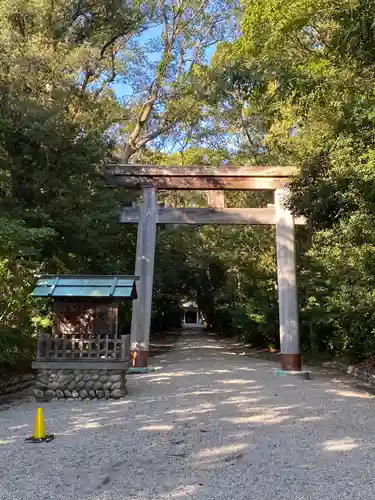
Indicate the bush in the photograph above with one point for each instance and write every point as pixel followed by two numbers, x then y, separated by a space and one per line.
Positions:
pixel 17 350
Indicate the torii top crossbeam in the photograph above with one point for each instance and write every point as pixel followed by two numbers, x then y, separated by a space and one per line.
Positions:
pixel 199 177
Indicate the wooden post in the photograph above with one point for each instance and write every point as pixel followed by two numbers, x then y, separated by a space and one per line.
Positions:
pixel 40 346
pixel 136 306
pixel 287 286
pixel 98 346
pixel 123 352
pixel 216 199
pixel 141 316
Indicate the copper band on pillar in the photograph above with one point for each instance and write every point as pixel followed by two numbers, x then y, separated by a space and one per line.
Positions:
pixel 291 362
pixel 139 359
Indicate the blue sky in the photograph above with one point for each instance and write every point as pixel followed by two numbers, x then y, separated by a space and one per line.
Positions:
pixel 121 89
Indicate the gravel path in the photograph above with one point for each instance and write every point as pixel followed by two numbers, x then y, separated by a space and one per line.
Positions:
pixel 209 425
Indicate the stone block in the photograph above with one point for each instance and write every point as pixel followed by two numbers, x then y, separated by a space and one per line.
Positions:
pixel 80 385
pixel 53 386
pixel 89 385
pixel 38 394
pixel 117 394
pixel 49 394
pixel 71 386
pixel 83 393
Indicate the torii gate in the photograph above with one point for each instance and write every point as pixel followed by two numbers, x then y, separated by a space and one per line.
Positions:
pixel 150 178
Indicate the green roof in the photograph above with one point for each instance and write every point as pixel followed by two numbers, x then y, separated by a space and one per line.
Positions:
pixel 123 287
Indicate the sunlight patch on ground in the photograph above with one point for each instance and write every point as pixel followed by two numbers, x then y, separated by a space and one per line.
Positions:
pixel 77 422
pixel 157 428
pixel 186 419
pixel 121 402
pixel 267 418
pixel 239 399
pixel 184 492
pixel 200 412
pixel 203 408
pixel 351 394
pixel 310 419
pixel 207 393
pixel 221 450
pixel 189 360
pixel 200 347
pixel 241 435
pixel 284 407
pixel 17 427
pixel 6 441
pixel 152 421
pixel 160 379
pixel 237 381
pixel 111 412
pixel 344 444
pixel 179 374
pixel 87 425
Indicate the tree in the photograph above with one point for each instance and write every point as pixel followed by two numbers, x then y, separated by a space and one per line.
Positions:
pixel 164 84
pixel 55 110
pixel 315 87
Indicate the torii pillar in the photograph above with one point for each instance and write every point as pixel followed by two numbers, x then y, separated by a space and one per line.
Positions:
pixel 144 268
pixel 287 286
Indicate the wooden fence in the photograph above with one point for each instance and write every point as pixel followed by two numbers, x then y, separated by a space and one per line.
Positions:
pixel 82 347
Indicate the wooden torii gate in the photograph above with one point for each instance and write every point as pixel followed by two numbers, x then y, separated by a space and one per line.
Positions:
pixel 150 178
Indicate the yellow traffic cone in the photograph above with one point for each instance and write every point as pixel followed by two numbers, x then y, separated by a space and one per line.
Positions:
pixel 39 435
pixel 39 429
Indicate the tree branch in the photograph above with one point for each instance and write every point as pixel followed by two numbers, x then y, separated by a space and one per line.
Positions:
pixel 110 79
pixel 181 63
pixel 109 43
pixel 247 133
pixel 199 10
pixel 133 144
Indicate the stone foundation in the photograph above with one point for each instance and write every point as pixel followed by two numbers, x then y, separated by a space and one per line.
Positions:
pixel 52 384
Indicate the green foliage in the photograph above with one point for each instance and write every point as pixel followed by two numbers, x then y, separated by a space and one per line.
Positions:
pixel 17 350
pixel 319 104
pixel 55 216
